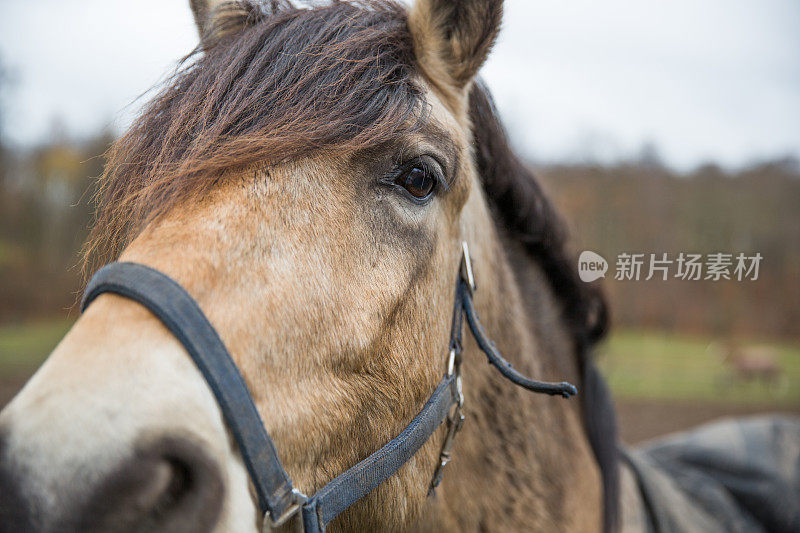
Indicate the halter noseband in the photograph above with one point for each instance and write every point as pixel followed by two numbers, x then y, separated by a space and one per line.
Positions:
pixel 277 499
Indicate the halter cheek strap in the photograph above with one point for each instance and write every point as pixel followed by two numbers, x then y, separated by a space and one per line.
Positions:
pixel 277 498
pixel 171 304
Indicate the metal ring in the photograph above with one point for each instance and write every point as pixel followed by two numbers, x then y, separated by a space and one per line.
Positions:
pixel 298 500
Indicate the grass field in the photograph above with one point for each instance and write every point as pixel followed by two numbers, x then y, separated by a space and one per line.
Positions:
pixel 23 347
pixel 646 364
pixel 638 364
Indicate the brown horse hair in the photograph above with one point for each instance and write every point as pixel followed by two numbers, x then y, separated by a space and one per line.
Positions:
pixel 298 82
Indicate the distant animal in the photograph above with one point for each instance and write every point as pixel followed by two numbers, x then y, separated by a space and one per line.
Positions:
pixel 297 201
pixel 756 363
pixel 751 362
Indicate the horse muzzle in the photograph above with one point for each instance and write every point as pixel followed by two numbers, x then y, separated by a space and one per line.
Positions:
pixel 167 484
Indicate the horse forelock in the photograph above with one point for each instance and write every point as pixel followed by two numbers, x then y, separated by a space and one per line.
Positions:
pixel 287 84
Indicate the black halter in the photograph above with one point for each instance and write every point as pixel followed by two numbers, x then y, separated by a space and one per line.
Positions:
pixel 277 499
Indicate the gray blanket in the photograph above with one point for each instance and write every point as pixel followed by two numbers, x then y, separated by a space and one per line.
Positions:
pixel 735 475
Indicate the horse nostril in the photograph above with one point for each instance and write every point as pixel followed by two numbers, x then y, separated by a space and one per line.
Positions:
pixel 169 485
pixel 15 513
pixel 183 479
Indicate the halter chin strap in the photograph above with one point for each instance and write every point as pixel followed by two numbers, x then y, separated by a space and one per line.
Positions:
pixel 277 499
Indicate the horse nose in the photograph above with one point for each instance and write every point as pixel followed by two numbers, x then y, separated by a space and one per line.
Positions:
pixel 169 485
pixel 14 512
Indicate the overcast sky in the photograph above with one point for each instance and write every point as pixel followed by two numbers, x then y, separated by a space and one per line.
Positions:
pixel 702 80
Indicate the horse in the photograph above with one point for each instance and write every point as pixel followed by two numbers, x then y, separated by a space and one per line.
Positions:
pixel 309 178
pixel 754 363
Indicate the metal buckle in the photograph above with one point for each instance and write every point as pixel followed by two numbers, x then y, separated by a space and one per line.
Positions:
pixel 454 422
pixel 451 362
pixel 466 268
pixel 298 500
pixel 455 419
pixel 454 367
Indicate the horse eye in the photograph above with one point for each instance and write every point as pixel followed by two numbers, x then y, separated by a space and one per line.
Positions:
pixel 417 180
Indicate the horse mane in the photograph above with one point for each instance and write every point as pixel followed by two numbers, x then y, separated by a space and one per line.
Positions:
pixel 521 207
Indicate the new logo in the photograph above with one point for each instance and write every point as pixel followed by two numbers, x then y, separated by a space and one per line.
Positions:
pixel 591 266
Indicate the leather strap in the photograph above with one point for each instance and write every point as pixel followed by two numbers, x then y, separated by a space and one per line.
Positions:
pixel 355 483
pixel 171 304
pixel 499 362
pixel 179 312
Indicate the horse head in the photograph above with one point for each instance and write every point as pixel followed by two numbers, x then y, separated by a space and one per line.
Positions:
pixel 308 176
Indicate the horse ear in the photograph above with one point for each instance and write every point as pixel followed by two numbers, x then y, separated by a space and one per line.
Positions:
pixel 453 37
pixel 217 19
pixel 201 10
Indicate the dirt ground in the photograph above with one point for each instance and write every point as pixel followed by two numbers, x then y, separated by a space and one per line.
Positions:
pixel 639 419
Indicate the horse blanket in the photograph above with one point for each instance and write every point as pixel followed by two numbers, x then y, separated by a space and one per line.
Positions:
pixel 737 475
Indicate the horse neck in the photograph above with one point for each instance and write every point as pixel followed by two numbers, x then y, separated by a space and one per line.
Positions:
pixel 522 460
